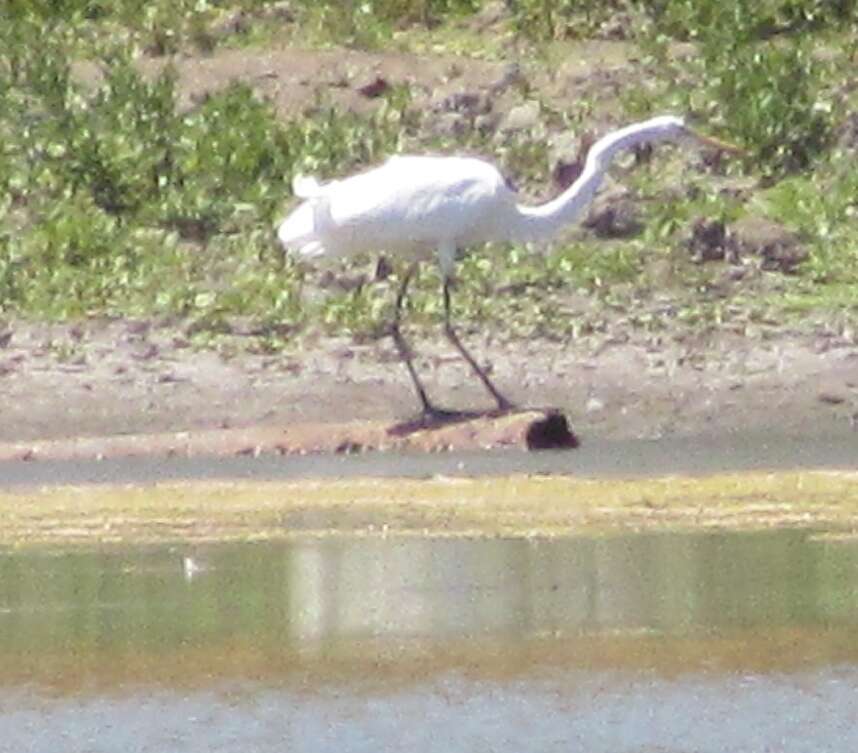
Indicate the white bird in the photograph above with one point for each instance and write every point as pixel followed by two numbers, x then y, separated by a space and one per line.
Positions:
pixel 414 206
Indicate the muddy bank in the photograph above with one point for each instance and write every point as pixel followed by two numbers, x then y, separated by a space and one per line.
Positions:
pixel 104 378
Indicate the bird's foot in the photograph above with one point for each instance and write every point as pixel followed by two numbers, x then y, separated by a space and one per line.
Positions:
pixel 505 406
pixel 432 415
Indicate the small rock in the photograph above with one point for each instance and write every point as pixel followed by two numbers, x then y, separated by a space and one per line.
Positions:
pixel 734 273
pixel 146 353
pixel 594 405
pixel 831 398
pixel 5 338
pixel 338 78
pixel 467 102
pixel 617 219
pixel 486 124
pixel 450 124
pixel 710 241
pixel 564 145
pixel 779 248
pixel 345 282
pixel 374 87
pixel 454 70
pixel 511 76
pixel 522 118
pixel 138 326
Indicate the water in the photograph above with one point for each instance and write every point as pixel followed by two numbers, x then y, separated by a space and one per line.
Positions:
pixel 661 642
pixel 595 459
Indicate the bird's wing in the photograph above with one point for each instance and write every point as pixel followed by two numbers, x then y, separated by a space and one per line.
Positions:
pixel 423 197
pixel 408 204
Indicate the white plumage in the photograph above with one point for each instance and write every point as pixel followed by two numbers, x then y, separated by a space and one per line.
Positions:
pixel 412 206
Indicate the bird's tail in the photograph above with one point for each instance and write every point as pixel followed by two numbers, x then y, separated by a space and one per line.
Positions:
pixel 307 187
pixel 299 233
pixel 298 230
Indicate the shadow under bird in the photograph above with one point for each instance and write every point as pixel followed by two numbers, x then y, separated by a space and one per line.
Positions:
pixel 417 206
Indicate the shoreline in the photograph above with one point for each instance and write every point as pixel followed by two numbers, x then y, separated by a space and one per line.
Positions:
pixel 212 511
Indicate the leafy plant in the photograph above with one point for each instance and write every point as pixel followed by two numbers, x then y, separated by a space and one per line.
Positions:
pixel 770 99
pixel 109 195
pixel 767 89
pixel 559 19
pixel 749 19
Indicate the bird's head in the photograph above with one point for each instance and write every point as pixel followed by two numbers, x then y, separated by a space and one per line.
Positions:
pixel 658 129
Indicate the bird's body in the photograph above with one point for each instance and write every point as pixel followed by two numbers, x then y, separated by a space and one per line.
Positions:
pixel 410 205
pixel 414 206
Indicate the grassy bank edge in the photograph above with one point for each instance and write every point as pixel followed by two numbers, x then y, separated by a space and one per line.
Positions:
pixel 515 506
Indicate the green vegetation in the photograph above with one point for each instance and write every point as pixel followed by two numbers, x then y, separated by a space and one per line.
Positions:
pixel 115 203
pixel 759 72
pixel 116 199
pixel 558 19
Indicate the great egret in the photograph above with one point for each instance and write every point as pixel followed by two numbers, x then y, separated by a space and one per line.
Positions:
pixel 414 206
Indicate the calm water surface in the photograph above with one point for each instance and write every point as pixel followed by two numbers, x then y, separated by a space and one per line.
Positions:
pixel 658 642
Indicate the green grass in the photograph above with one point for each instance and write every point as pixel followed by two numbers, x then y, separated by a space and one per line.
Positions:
pixel 113 202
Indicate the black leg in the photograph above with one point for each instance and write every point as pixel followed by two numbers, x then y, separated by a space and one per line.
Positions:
pixel 503 403
pixel 429 410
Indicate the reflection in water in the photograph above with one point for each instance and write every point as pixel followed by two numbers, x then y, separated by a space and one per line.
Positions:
pixel 593 633
pixel 670 583
pixel 337 597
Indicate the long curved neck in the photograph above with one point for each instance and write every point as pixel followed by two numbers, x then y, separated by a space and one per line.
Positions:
pixel 544 221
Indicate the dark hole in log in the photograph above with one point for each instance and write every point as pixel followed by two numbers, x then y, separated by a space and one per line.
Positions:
pixel 551 433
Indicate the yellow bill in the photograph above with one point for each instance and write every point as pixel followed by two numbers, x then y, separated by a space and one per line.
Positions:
pixel 716 143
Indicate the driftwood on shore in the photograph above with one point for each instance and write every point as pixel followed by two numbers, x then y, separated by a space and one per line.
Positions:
pixel 532 429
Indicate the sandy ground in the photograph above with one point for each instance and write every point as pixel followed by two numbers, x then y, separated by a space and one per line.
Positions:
pixel 120 377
